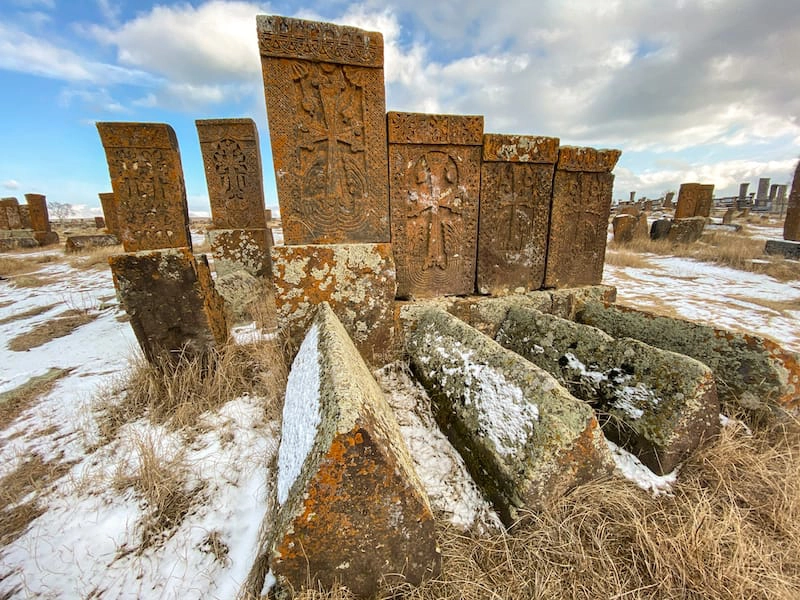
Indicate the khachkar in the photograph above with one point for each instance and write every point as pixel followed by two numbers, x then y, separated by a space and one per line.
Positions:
pixel 434 173
pixel 579 213
pixel 109 203
pixel 326 105
pixel 146 175
pixel 240 238
pixel 516 187
pixel 40 219
pixel 10 207
pixel 791 226
pixel 694 200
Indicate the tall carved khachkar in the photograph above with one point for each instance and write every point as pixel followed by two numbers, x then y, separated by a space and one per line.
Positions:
pixel 579 216
pixel 145 168
pixel 791 226
pixel 516 187
pixel 694 200
pixel 40 219
pixel 434 171
pixel 326 106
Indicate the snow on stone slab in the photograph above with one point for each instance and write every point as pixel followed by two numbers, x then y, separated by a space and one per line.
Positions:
pixel 632 469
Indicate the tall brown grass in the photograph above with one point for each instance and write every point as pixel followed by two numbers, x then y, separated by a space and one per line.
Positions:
pixel 96 258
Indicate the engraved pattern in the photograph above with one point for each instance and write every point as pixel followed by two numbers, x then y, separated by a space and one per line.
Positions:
pixel 143 174
pixel 420 128
pixel 231 167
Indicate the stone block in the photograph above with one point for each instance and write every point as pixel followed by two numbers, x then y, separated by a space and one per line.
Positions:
pixel 99 223
pixel 25 216
pixel 750 371
pixel 39 216
pixel 656 404
pixel 3 218
pixel 686 231
pixel 173 306
pixel 326 108
pixel 623 226
pixel 351 507
pixel 727 218
pixel 629 210
pixel 232 161
pixel 357 280
pixel 236 249
pixel 515 192
pixel 659 229
pixel 784 248
pixel 694 200
pixel 580 209
pixel 434 173
pixel 109 203
pixel 791 226
pixel 9 201
pixel 146 174
pixel 524 438
pixel 705 200
pixel 81 243
pixel 47 238
pixel 241 291
pixel 12 217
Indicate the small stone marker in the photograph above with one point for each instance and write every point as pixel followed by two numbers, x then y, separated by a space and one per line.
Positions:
pixel 523 437
pixel 434 172
pixel 236 249
pixel 109 203
pixel 145 168
pixel 357 280
pixel 791 226
pixel 352 508
pixel 99 223
pixel 516 187
pixel 579 216
pixel 232 160
pixel 623 226
pixel 170 297
pixel 686 231
pixel 668 199
pixel 727 218
pixel 25 216
pixel 12 215
pixel 326 109
pixel 37 208
pixel 80 243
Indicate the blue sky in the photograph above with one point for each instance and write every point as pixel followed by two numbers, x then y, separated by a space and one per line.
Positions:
pixel 691 90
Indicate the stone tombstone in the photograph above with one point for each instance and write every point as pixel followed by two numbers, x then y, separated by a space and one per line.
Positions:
pixel 763 191
pixel 37 208
pixel 146 174
pixel 13 216
pixel 648 206
pixel 781 196
pixel 24 216
pixel 688 198
pixel 232 161
pixel 109 203
pixel 668 199
pixel 326 109
pixel 705 200
pixel 791 226
pixel 632 197
pixel 99 223
pixel 516 186
pixel 3 218
pixel 582 188
pixel 9 201
pixel 743 192
pixel 623 227
pixel 434 184
pixel 727 218
pixel 773 194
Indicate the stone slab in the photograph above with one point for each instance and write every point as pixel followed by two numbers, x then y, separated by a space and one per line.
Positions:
pixel 81 243
pixel 9 201
pixel 686 231
pixel 705 201
pixel 235 249
pixel 326 108
pixel 582 159
pixel 523 437
pixel 173 306
pixel 659 229
pixel 694 200
pixel 791 226
pixel 25 216
pixel 515 193
pixel 146 174
pixel 784 248
pixel 46 238
pixel 232 161
pixel 623 227
pixel 357 280
pixel 37 207
pixel 99 223
pixel 434 172
pixel 109 203
pixel 3 218
pixel 352 509
pixel 12 217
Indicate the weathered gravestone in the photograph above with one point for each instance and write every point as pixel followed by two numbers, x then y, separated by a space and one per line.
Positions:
pixel 741 202
pixel 791 226
pixel 581 205
pixel 25 216
pixel 3 217
pixel 727 218
pixel 109 203
pixel 37 209
pixel 623 226
pixel 668 199
pixel 10 206
pixel 99 223
pixel 705 200
pixel 145 168
pixel 80 243
pixel 326 106
pixel 686 231
pixel 688 199
pixel 236 249
pixel 434 170
pixel 516 187
pixel 763 191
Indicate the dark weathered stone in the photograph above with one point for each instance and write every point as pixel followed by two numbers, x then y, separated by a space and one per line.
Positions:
pixel 791 226
pixel 245 296
pixel 232 160
pixel 763 191
pixel 326 106
pixel 659 230
pixel 523 437
pixel 99 223
pixel 145 168
pixel 80 243
pixel 351 507
pixel 357 280
pixel 686 231
pixel 236 249
pixel 656 404
pixel 783 248
pixel 3 218
pixel 173 306
pixel 109 203
pixel 37 208
pixel 434 171
pixel 516 187
pixel 750 371
pixel 581 205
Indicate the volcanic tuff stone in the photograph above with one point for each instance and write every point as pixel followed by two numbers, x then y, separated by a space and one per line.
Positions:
pixel 46 238
pixel 784 248
pixel 668 199
pixel 145 168
pixel 12 216
pixel 241 292
pixel 99 223
pixel 79 243
pixel 581 205
pixel 3 218
pixel 326 106
pixel 656 404
pixel 358 280
pixel 727 218
pixel 109 203
pixel 352 508
pixel 791 226
pixel 686 231
pixel 37 207
pixel 749 370
pixel 694 200
pixel 232 161
pixel 25 216
pixel 236 249
pixel 624 226
pixel 170 297
pixel 515 191
pixel 523 437
pixel 434 185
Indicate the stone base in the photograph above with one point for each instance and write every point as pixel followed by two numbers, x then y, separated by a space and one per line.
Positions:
pixel 785 248
pixel 81 243
pixel 686 231
pixel 237 249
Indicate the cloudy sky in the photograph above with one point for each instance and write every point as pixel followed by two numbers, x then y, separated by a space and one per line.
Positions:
pixel 689 90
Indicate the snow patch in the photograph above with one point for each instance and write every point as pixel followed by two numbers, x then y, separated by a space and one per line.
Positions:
pixel 632 469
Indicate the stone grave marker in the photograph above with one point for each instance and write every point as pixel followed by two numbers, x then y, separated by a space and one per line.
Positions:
pixel 326 109
pixel 109 203
pixel 705 200
pixel 37 207
pixel 763 191
pixel 434 170
pixel 668 199
pixel 99 223
pixel 516 187
pixel 688 198
pixel 791 226
pixel 25 216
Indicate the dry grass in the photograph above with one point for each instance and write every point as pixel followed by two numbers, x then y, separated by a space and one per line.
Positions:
pixel 619 256
pixel 15 402
pixel 33 312
pixel 57 327
pixel 96 258
pixel 20 263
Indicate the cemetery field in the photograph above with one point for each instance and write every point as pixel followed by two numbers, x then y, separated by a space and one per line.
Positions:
pixel 119 481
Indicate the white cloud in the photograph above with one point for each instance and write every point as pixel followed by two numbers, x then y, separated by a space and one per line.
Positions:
pixel 11 184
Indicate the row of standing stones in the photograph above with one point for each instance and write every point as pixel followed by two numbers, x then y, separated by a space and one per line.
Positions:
pixel 391 224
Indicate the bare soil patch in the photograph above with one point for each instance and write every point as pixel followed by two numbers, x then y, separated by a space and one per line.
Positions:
pixel 14 402
pixel 57 327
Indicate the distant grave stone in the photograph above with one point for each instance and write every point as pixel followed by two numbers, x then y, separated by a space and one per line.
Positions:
pixel 109 203
pixel 791 226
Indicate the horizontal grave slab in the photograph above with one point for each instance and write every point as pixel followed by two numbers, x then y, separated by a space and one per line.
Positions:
pixel 79 243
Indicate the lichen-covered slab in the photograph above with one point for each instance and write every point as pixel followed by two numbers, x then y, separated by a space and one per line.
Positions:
pixel 146 174
pixel 750 371
pixel 79 243
pixel 170 297
pixel 109 203
pixel 236 249
pixel 791 226
pixel 352 508
pixel 656 404
pixel 523 437
pixel 326 109
pixel 686 231
pixel 357 280
pixel 579 212
pixel 516 189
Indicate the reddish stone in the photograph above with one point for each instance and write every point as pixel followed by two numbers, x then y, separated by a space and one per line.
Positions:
pixel 434 168
pixel 326 107
pixel 694 200
pixel 12 216
pixel 236 249
pixel 109 203
pixel 3 218
pixel 37 208
pixel 99 223
pixel 25 216
pixel 145 168
pixel 624 226
pixel 791 226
